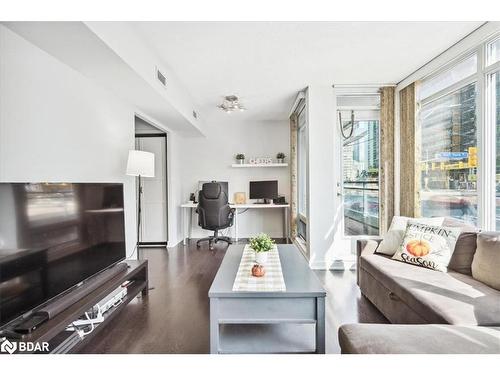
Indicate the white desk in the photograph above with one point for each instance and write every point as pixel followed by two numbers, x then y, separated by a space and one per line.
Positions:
pixel 189 207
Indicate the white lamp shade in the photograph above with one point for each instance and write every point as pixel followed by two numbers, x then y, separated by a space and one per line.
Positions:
pixel 141 163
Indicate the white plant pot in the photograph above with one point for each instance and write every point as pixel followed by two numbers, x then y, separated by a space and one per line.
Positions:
pixel 261 257
pixel 241 161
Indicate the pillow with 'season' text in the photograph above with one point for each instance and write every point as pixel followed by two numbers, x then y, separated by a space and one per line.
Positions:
pixel 429 246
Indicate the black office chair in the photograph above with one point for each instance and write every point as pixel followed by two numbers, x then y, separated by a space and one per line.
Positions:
pixel 214 213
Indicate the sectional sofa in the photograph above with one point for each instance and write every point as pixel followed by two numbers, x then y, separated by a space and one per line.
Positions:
pixel 431 311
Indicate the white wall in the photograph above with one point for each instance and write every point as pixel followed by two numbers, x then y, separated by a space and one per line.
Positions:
pixel 124 40
pixel 175 196
pixel 56 125
pixel 210 158
pixel 324 210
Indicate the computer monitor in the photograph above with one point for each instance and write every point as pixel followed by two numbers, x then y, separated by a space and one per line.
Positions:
pixel 264 189
pixel 224 184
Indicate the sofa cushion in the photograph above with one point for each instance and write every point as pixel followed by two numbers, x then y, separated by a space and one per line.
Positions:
pixel 486 262
pixel 438 297
pixel 418 339
pixel 461 259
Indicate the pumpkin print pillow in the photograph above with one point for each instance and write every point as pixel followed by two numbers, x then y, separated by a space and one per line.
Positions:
pixel 427 246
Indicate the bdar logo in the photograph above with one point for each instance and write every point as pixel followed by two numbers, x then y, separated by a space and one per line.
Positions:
pixel 8 347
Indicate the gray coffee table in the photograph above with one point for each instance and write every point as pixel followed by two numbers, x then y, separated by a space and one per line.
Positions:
pixel 268 322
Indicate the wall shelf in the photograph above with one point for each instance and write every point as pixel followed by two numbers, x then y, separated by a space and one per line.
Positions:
pixel 270 165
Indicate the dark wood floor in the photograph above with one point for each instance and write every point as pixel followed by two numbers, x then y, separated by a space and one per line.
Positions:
pixel 174 317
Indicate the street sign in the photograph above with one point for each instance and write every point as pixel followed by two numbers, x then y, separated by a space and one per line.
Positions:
pixel 452 155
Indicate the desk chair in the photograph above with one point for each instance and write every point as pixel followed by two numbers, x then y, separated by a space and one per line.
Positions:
pixel 214 213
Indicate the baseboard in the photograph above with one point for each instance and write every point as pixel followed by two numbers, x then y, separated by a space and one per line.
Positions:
pixel 335 265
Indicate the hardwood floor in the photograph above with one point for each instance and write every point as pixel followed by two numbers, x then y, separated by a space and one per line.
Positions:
pixel 174 317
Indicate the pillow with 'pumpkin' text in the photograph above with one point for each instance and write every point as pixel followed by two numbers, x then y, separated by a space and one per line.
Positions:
pixel 427 246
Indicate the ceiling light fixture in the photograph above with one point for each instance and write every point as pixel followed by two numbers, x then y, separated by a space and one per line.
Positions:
pixel 231 103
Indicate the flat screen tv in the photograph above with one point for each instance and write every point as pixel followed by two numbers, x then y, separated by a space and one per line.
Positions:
pixel 53 236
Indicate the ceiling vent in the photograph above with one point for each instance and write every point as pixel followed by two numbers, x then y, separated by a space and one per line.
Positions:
pixel 161 77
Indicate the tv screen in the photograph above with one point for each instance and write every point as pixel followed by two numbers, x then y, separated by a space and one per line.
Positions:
pixel 54 236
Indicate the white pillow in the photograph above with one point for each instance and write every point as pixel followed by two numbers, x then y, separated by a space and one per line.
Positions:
pixel 396 232
pixel 428 246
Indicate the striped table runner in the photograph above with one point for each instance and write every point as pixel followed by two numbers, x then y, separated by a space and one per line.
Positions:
pixel 272 281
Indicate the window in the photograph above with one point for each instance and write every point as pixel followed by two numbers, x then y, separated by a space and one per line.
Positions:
pixel 496 121
pixel 459 139
pixel 448 156
pixel 493 52
pixel 302 173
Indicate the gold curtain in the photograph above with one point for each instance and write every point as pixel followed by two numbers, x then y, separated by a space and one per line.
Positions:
pixel 293 174
pixel 410 173
pixel 386 157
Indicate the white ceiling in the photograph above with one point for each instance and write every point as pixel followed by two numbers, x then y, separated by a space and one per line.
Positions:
pixel 267 63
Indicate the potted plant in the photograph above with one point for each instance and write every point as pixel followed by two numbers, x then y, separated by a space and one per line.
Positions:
pixel 261 244
pixel 240 158
pixel 281 157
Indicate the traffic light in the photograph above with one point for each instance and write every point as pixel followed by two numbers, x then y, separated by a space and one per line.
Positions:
pixel 472 156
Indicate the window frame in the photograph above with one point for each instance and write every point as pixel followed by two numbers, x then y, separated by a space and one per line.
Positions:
pixel 302 216
pixel 485 128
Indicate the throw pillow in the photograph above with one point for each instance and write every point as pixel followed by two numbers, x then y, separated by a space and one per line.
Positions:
pixel 461 259
pixel 486 262
pixel 394 236
pixel 427 246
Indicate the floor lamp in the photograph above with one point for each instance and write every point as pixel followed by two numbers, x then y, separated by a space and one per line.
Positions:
pixel 140 164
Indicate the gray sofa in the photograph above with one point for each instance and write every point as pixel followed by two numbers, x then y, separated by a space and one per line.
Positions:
pixel 411 295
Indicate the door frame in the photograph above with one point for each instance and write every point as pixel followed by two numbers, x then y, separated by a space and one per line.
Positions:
pixel 158 135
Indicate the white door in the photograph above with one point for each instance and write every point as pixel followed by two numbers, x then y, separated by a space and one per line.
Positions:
pixel 154 198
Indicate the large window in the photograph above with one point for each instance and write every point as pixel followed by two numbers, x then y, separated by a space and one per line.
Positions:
pixel 448 155
pixel 458 139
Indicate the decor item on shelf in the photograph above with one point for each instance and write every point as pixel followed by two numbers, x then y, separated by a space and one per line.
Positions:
pixel 261 244
pixel 231 103
pixel 258 270
pixel 240 198
pixel 281 157
pixel 192 197
pixel 240 158
pixel 140 164
pixel 264 160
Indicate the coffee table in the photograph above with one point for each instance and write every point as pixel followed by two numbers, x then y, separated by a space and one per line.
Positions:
pixel 268 322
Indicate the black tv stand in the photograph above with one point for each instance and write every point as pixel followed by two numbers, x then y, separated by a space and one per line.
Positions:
pixel 54 331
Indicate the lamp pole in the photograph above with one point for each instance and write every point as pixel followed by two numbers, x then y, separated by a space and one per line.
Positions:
pixel 139 192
